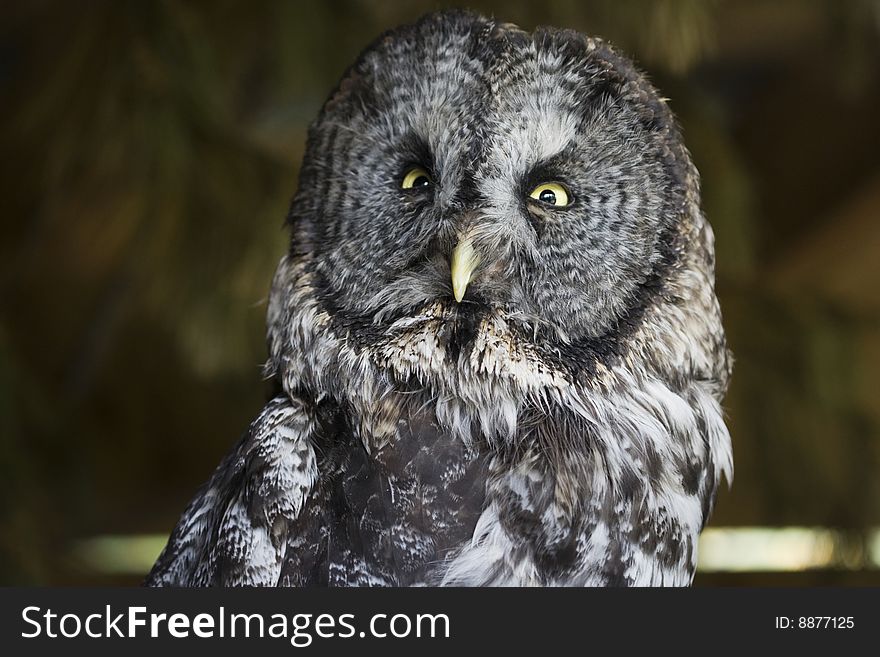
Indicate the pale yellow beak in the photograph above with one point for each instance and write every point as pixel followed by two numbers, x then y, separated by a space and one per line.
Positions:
pixel 464 262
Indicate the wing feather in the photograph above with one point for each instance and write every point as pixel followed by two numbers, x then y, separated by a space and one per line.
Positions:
pixel 235 530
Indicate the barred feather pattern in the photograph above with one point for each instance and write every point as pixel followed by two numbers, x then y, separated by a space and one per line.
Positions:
pixel 234 531
pixel 525 437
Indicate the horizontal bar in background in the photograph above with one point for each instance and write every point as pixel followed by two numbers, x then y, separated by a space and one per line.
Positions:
pixel 721 549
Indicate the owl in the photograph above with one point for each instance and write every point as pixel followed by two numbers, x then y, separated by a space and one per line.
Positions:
pixel 497 349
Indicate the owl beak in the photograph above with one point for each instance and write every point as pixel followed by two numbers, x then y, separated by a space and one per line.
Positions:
pixel 464 262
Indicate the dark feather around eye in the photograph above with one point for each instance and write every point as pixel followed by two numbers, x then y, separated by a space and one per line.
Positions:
pixel 415 152
pixel 553 170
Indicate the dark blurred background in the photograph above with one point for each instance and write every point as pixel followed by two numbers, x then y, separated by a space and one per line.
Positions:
pixel 149 153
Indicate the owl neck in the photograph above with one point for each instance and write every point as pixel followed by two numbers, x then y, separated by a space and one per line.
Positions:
pixel 612 489
pixel 620 467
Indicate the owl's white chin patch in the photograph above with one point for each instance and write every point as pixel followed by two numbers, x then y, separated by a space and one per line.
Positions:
pixel 421 345
pixel 432 311
pixel 480 385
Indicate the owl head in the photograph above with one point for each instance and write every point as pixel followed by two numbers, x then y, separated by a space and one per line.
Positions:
pixel 466 171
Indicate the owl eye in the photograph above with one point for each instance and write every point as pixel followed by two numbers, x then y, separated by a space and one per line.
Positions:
pixel 415 178
pixel 551 194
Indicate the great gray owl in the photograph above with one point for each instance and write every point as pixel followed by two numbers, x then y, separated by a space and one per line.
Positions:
pixel 498 350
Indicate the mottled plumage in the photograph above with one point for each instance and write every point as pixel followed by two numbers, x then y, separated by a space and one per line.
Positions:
pixel 561 424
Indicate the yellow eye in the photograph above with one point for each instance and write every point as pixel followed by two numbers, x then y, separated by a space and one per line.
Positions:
pixel 551 194
pixel 416 177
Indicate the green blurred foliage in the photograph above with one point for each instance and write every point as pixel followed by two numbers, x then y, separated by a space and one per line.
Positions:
pixel 150 150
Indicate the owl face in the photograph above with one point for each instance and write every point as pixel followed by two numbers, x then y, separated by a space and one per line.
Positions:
pixel 465 163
